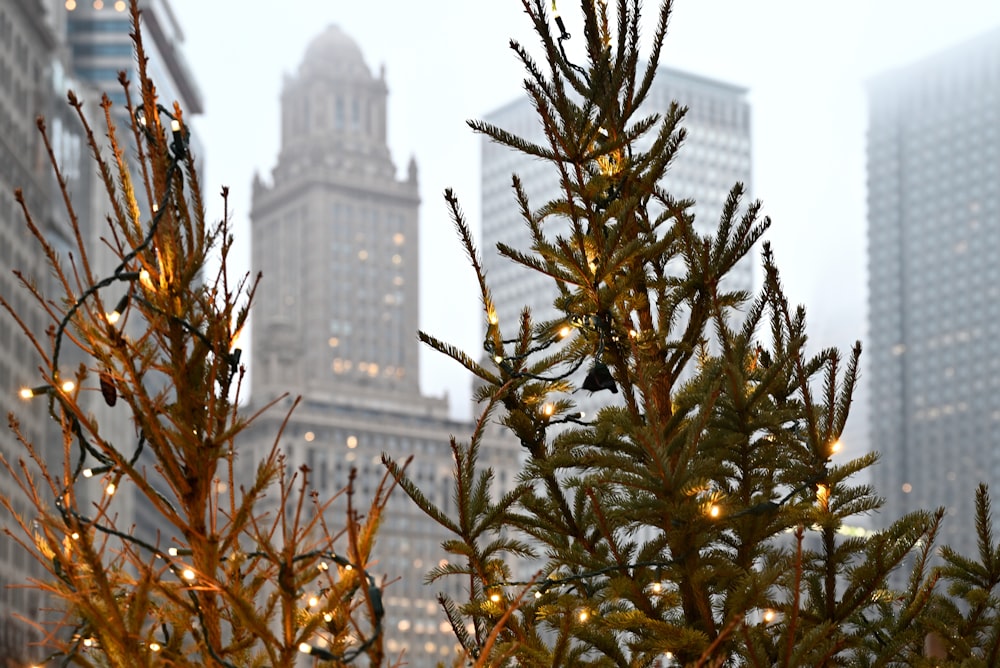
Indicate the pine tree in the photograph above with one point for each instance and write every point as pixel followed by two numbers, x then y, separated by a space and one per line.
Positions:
pixel 228 577
pixel 697 518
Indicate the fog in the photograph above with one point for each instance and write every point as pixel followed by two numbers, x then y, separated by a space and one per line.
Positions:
pixel 446 61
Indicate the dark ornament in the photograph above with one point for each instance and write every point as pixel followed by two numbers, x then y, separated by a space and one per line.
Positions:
pixel 599 378
pixel 108 389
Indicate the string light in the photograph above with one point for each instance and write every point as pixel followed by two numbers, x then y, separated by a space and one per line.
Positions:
pixel 32 392
pixel 769 616
pixel 822 493
pixel 836 446
pixel 110 489
pixel 154 647
pixel 188 574
pixel 714 511
pixel 116 314
pixel 313 601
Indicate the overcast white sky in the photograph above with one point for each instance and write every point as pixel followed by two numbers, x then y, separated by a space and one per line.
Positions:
pixel 804 62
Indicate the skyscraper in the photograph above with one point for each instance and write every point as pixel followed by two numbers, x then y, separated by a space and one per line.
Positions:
pixel 934 281
pixel 99 36
pixel 26 49
pixel 334 235
pixel 46 48
pixel 715 155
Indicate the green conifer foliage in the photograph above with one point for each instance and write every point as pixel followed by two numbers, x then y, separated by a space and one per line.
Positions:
pixel 695 520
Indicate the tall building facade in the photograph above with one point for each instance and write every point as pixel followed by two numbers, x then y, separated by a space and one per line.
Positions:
pixel 27 46
pixel 715 155
pixel 48 47
pixel 335 236
pixel 98 36
pixel 933 356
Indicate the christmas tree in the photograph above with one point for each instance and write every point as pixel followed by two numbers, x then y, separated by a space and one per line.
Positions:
pixel 241 566
pixel 700 517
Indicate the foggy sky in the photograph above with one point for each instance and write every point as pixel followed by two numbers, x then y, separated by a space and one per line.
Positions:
pixel 446 61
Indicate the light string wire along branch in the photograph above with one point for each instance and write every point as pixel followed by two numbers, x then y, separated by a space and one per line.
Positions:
pixel 240 580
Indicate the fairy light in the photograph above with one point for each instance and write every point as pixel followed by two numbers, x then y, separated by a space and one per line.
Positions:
pixel 538 593
pixel 89 642
pixel 313 601
pixel 836 447
pixel 583 616
pixel 323 567
pixel 75 535
pixel 657 587
pixel 769 616
pixel 714 511
pixel 172 551
pixel 495 597
pixel 822 493
pixel 564 331
pixel 305 648
pixel 116 314
pixel 187 574
pixel 328 617
pixel 548 410
pixel 88 473
pixel 110 489
pixel 154 647
pixel 145 279
pixel 68 386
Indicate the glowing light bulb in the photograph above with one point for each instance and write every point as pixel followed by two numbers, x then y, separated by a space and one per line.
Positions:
pixel 75 536
pixel 110 489
pixel 657 587
pixel 492 317
pixel 327 616
pixel 172 551
pixel 154 647
pixel 187 574
pixel 145 279
pixel 632 333
pixel 68 386
pixel 175 125
pixel 769 616
pixel 538 593
pixel 112 317
pixel 323 566
pixel 348 568
pixel 313 601
pixel 714 511
pixel 305 648
pixel 26 393
pixel 495 597
pixel 564 331
pixel 836 447
pixel 584 615
pixel 88 473
pixel 548 410
pixel 822 493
